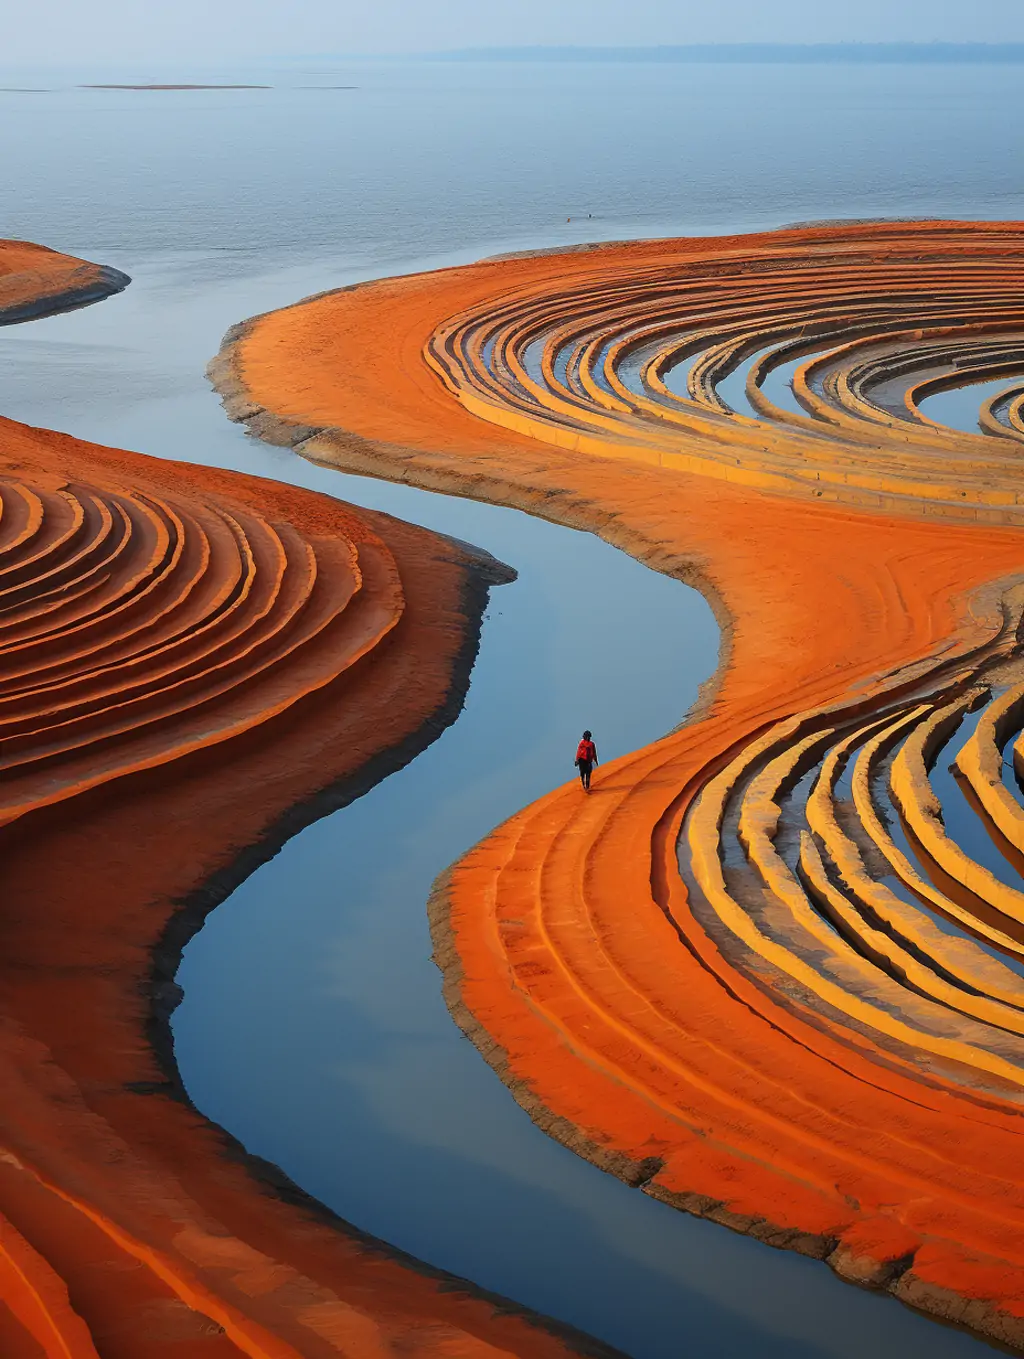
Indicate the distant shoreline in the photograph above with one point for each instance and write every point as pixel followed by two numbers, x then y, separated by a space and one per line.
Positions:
pixel 866 53
pixel 174 87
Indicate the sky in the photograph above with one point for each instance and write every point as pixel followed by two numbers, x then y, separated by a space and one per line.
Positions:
pixel 203 31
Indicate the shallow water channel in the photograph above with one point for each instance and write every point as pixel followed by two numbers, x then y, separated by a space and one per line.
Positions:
pixel 313 1026
pixel 959 407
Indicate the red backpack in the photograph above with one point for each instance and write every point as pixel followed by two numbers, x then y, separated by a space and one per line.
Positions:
pixel 586 750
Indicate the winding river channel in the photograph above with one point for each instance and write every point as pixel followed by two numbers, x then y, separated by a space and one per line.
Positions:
pixel 312 1026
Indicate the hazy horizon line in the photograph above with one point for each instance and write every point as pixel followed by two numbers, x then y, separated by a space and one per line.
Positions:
pixel 853 49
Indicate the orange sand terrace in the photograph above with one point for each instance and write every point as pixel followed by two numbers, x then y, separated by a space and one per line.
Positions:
pixel 768 1031
pixel 194 665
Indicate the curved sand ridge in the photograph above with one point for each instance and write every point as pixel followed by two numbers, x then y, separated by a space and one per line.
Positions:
pixel 809 1027
pixel 137 628
pixel 869 328
pixel 193 665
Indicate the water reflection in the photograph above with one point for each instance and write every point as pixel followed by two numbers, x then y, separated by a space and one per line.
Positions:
pixel 959 407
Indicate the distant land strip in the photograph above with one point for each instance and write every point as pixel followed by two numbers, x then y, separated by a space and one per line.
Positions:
pixel 175 87
pixel 861 53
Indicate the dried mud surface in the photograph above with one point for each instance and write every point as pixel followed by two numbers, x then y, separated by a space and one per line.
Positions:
pixel 194 665
pixel 753 973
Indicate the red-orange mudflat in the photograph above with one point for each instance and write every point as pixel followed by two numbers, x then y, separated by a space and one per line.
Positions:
pixel 193 664
pixel 809 1024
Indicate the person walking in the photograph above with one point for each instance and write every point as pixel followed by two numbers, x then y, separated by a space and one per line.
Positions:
pixel 586 758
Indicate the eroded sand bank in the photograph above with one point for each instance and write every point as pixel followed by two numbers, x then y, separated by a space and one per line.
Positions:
pixel 812 1033
pixel 195 664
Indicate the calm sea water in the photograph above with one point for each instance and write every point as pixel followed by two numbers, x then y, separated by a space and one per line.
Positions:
pixel 424 159
pixel 313 1027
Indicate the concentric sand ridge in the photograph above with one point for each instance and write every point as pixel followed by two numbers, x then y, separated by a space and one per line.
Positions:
pixel 631 361
pixel 756 972
pixel 136 628
pixel 193 665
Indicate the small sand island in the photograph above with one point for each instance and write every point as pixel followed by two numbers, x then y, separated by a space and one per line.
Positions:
pixel 195 664
pixel 35 281
pixel 174 87
pixel 755 974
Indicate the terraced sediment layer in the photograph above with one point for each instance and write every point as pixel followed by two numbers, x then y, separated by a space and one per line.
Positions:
pixel 193 665
pixel 755 973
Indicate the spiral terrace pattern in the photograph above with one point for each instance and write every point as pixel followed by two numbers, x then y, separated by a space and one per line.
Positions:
pixel 632 362
pixel 193 665
pixel 136 628
pixel 772 970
